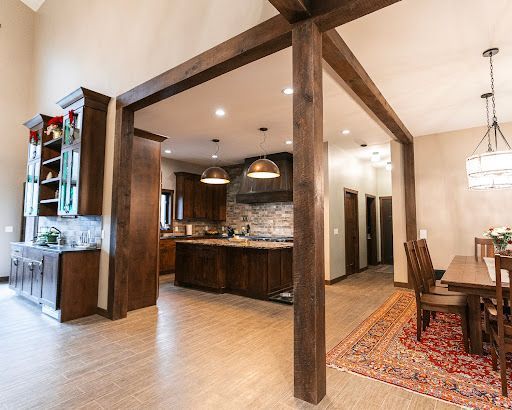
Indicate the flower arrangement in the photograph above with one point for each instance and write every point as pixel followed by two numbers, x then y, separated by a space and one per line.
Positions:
pixel 55 126
pixel 501 237
pixel 34 138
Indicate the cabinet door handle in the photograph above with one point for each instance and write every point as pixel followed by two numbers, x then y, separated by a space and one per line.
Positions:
pixel 31 266
pixel 15 261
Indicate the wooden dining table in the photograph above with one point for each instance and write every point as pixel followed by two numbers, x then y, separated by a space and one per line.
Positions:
pixel 469 275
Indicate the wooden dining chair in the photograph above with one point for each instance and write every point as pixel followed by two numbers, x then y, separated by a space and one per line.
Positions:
pixel 426 302
pixel 498 324
pixel 486 246
pixel 427 270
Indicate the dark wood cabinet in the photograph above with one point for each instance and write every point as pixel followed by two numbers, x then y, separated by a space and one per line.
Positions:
pixel 82 153
pixel 65 173
pixel 65 283
pixel 167 256
pixel 50 280
pixel 251 272
pixel 201 266
pixel 196 200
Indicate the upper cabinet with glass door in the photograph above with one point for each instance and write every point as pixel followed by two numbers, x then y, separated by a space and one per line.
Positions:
pixel 83 153
pixel 35 127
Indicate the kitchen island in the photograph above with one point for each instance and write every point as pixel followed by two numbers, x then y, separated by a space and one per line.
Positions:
pixel 254 269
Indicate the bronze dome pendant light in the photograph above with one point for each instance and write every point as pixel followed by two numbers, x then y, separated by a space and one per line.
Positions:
pixel 263 168
pixel 215 175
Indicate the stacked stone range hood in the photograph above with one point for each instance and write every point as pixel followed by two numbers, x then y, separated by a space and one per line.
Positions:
pixel 258 191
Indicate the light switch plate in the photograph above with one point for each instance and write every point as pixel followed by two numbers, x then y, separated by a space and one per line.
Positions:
pixel 423 234
pixel 336 231
pixel 9 229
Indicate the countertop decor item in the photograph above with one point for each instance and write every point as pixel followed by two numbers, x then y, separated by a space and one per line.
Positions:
pixel 263 168
pixel 55 126
pixel 491 169
pixel 215 174
pixel 501 237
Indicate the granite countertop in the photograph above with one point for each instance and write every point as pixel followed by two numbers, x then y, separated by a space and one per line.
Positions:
pixel 55 248
pixel 240 244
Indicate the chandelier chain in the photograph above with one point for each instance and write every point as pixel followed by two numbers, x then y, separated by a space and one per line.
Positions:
pixel 489 146
pixel 492 90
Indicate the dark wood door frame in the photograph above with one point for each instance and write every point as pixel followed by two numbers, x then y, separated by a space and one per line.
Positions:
pixel 262 40
pixel 382 225
pixel 371 254
pixel 356 193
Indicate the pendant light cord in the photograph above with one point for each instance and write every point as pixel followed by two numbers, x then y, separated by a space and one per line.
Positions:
pixel 489 146
pixel 262 144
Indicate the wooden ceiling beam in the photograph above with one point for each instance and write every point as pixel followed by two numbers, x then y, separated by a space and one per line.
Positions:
pixel 328 14
pixel 293 10
pixel 260 41
pixel 343 62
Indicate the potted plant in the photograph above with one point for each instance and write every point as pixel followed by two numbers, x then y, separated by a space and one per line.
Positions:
pixel 501 237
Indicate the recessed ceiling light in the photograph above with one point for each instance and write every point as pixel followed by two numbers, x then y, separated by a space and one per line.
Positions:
pixel 288 142
pixel 345 132
pixel 219 112
pixel 287 91
pixel 375 156
pixel 215 156
pixel 168 151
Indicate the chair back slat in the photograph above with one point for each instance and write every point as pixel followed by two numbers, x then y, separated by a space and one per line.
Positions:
pixel 486 246
pixel 501 262
pixel 414 268
pixel 427 269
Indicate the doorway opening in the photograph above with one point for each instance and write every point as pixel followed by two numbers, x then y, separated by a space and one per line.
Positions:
pixel 371 230
pixel 351 232
pixel 386 229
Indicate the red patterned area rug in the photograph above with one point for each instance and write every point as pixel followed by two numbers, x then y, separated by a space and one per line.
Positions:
pixel 384 348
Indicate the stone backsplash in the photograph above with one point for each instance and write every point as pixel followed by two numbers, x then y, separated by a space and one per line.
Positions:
pixel 72 228
pixel 272 219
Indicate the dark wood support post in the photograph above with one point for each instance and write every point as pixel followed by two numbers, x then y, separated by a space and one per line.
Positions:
pixel 308 201
pixel 409 192
pixel 120 215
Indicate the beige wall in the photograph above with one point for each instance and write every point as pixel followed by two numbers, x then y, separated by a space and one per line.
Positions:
pixel 451 213
pixel 345 170
pixel 111 46
pixel 16 40
pixel 398 209
pixel 170 166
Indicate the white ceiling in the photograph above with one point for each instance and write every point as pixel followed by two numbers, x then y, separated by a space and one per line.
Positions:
pixel 34 4
pixel 424 55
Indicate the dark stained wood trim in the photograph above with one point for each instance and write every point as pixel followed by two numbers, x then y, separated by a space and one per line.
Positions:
pixel 102 312
pixel 409 192
pixel 308 195
pixel 149 135
pixel 120 215
pixel 4 279
pixel 259 41
pixel 343 62
pixel 293 10
pixel 403 285
pixel 333 13
pixel 362 269
pixel 356 193
pixel 335 280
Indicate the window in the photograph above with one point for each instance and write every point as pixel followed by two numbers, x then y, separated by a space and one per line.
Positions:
pixel 166 208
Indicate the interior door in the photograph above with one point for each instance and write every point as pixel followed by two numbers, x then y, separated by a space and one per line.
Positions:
pixel 386 230
pixel 371 230
pixel 351 232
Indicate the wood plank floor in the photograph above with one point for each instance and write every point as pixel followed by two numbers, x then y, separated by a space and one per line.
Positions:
pixel 195 350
